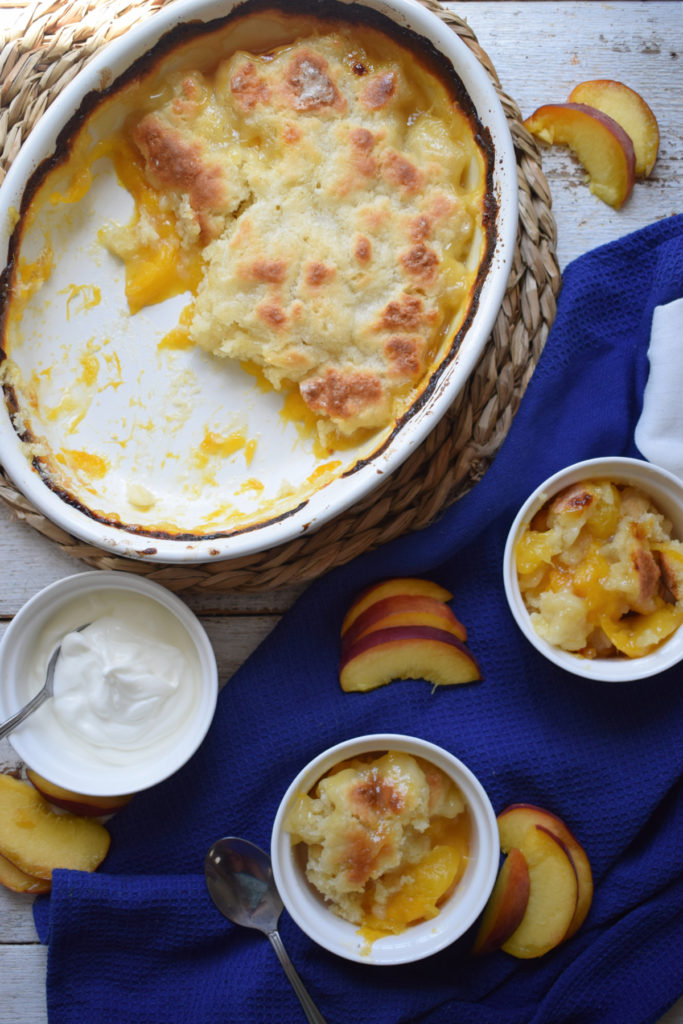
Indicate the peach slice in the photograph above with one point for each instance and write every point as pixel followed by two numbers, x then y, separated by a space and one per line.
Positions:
pixel 37 840
pixel 407 652
pixel 404 610
pixel 602 146
pixel 18 881
pixel 636 635
pixel 506 905
pixel 553 894
pixel 513 824
pixel 419 899
pixel 628 108
pixel 389 588
pixel 77 803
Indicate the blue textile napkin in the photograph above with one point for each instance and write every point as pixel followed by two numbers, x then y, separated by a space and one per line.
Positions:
pixel 139 942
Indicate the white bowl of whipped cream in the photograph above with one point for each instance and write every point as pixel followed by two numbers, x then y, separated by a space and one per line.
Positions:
pixel 134 691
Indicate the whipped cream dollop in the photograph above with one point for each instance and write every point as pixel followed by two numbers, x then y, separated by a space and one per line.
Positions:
pixel 126 683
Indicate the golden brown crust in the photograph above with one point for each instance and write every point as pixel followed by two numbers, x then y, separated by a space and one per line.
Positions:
pixel 404 354
pixel 420 228
pixel 249 87
pixel 647 571
pixel 406 313
pixel 380 90
pixel 316 273
pixel 271 271
pixel 272 314
pixel 363 161
pixel 362 249
pixel 420 261
pixel 671 564
pixel 341 394
pixel 574 498
pixel 172 162
pixel 363 853
pixel 375 796
pixel 402 172
pixel 308 85
pixel 338 239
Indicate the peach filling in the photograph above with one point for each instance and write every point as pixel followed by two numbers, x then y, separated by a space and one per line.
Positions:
pixel 385 840
pixel 600 572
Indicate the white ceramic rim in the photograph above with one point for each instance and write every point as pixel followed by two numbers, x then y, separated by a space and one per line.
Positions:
pixel 421 940
pixel 106 780
pixel 666 491
pixel 343 492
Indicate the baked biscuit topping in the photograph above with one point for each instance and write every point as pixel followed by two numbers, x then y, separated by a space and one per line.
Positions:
pixel 338 194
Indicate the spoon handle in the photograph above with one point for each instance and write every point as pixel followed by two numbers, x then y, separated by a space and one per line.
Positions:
pixel 11 723
pixel 313 1015
pixel 42 695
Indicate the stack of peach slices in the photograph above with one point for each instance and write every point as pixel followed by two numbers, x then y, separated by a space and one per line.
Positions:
pixel 44 827
pixel 403 628
pixel 544 888
pixel 612 131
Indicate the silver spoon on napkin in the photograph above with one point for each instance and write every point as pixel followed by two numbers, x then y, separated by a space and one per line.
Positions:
pixel 44 694
pixel 240 881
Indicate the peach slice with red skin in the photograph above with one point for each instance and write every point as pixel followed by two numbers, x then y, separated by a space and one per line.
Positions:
pixel 553 894
pixel 628 108
pixel 600 143
pixel 514 823
pixel 404 610
pixel 77 803
pixel 406 652
pixel 506 905
pixel 389 588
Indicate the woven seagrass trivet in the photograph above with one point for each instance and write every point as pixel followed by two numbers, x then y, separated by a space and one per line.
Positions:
pixel 48 45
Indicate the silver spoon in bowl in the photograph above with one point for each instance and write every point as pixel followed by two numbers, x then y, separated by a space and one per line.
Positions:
pixel 239 877
pixel 44 694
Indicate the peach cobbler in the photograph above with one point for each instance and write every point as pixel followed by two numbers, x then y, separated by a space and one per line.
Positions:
pixel 600 572
pixel 386 839
pixel 249 264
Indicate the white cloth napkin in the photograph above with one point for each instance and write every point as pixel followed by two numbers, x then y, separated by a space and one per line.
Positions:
pixel 659 431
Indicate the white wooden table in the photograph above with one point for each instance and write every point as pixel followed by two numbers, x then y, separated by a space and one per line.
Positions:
pixel 540 51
